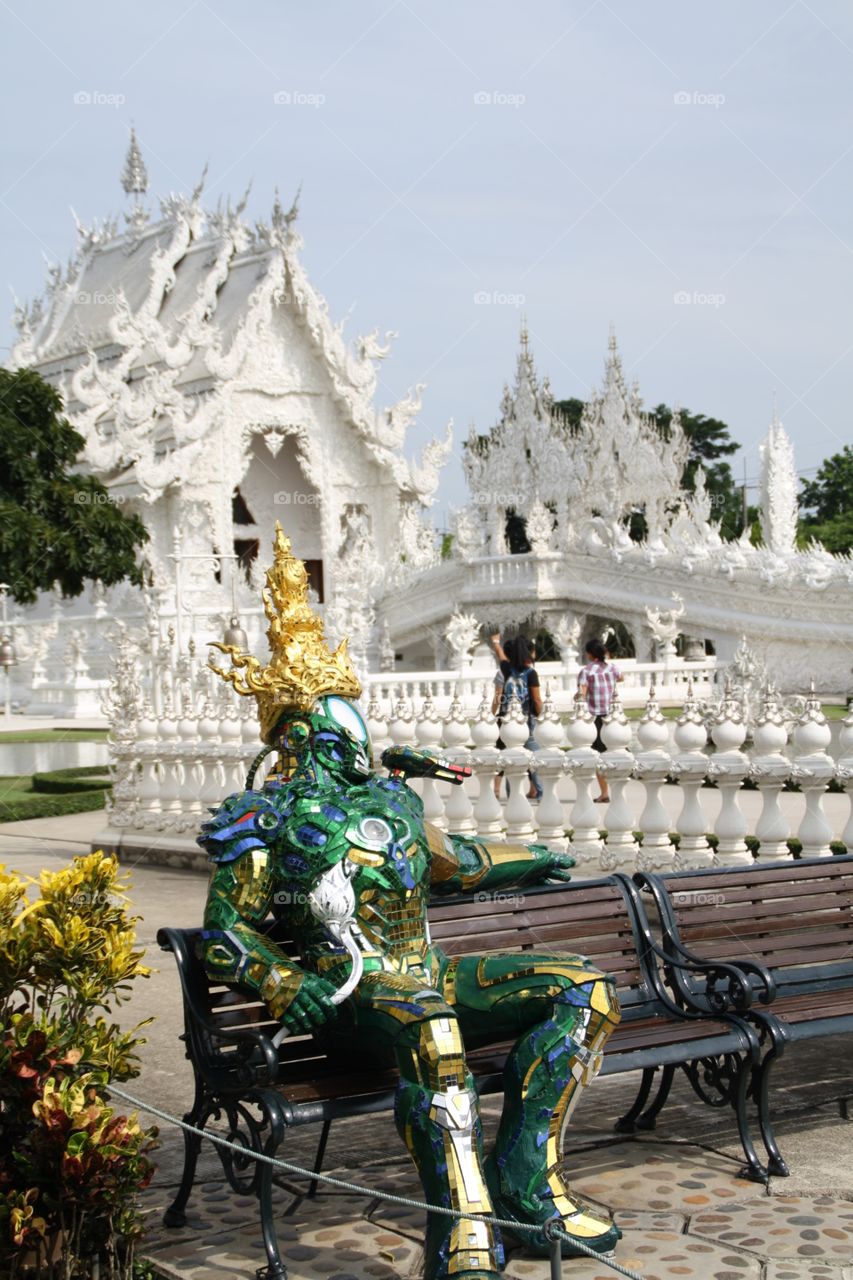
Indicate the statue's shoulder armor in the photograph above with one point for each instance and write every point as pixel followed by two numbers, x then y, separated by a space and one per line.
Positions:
pixel 399 797
pixel 246 820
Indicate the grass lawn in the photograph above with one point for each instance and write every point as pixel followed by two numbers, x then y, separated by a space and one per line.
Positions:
pixel 832 711
pixel 54 735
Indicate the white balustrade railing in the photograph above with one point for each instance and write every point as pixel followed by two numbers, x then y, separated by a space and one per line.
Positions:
pixel 441 687
pixel 172 764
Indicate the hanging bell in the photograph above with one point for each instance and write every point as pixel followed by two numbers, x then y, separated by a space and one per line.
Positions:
pixel 235 635
pixel 8 657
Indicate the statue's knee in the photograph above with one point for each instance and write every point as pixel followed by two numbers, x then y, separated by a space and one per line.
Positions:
pixel 440 1053
pixel 604 1000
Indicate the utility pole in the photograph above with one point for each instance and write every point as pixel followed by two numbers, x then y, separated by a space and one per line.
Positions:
pixel 745 501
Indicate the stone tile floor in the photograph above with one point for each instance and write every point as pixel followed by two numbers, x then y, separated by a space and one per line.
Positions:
pixel 684 1213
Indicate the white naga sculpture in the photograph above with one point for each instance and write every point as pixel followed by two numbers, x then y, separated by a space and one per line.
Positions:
pixel 462 633
pixel 664 625
pixel 778 490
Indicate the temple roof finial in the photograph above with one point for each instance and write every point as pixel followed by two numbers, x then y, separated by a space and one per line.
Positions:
pixel 134 177
pixel 282 221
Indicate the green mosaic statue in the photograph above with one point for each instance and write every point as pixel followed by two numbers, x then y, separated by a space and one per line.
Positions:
pixel 345 856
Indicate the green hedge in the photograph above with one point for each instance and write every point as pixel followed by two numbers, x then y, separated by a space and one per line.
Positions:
pixel 83 778
pixel 34 804
pixel 51 795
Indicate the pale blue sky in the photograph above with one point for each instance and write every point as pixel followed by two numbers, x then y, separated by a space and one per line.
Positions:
pixel 626 153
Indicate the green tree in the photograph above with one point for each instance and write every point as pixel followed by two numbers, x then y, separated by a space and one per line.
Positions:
pixel 571 410
pixel 827 503
pixel 710 443
pixel 57 526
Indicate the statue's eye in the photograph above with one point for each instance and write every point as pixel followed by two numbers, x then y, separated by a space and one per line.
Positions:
pixel 332 745
pixel 268 821
pixel 347 716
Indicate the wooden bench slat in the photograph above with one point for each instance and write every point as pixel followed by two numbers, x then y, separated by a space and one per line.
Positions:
pixel 747 877
pixel 694 916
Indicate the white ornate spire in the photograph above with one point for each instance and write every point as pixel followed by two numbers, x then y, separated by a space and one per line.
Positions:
pixel 779 509
pixel 281 221
pixel 134 180
pixel 134 176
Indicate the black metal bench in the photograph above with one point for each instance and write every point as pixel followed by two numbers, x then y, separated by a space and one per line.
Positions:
pixel 262 1090
pixel 789 925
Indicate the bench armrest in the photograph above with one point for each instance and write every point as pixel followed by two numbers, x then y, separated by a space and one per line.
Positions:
pixel 259 1056
pixel 727 989
pixel 765 987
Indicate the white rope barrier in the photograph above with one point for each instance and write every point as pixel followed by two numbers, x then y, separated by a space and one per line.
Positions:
pixel 554 1233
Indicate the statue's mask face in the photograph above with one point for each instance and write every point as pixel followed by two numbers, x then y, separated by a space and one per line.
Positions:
pixel 335 736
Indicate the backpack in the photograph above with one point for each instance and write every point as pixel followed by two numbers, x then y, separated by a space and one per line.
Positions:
pixel 517 684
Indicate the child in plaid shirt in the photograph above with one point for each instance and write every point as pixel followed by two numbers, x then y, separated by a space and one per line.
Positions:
pixel 597 681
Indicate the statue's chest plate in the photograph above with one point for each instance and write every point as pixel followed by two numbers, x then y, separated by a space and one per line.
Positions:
pixel 385 843
pixel 378 828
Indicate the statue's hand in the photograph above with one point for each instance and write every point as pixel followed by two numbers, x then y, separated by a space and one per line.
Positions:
pixel 560 868
pixel 311 1006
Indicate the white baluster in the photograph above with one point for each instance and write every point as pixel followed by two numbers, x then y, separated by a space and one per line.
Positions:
pixel 586 845
pixel 550 765
pixel 401 727
pixel 457 807
pixel 428 735
pixel 813 770
pixel 652 767
pixel 690 766
pixel 617 762
pixel 231 732
pixel 844 774
pixel 189 748
pixel 770 769
pixel 728 767
pixel 170 780
pixel 208 732
pixel 485 759
pixel 515 760
pixel 377 726
pixel 150 798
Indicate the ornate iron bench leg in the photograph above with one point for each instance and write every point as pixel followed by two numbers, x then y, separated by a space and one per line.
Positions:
pixel 275 1270
pixel 274 1117
pixel 753 1170
pixel 772 1030
pixel 318 1159
pixel 175 1215
pixel 650 1115
pixel 627 1123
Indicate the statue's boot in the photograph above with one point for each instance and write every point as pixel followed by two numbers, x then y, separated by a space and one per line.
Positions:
pixel 437 1116
pixel 544 1076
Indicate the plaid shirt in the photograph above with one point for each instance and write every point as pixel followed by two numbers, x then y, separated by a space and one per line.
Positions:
pixel 600 680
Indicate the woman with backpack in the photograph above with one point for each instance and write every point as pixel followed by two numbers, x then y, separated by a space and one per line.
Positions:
pixel 517 677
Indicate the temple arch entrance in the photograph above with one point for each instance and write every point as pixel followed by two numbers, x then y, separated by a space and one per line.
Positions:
pixel 275 487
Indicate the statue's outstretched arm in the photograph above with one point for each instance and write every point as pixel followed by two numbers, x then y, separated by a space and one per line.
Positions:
pixel 460 864
pixel 235 950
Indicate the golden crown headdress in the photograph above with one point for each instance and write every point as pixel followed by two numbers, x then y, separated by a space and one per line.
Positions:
pixel 301 668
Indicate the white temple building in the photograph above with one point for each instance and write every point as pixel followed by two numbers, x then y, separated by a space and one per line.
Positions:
pixel 215 395
pixel 574 490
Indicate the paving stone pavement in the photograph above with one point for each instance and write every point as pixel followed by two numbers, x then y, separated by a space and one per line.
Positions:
pixel 674 1192
pixel 684 1213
